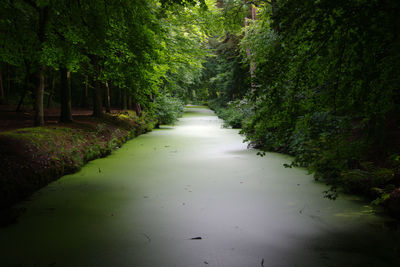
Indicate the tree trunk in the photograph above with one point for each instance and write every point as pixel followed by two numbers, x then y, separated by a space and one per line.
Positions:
pixel 275 24
pixel 130 102
pixel 66 111
pixel 97 102
pixel 1 87
pixel 138 109
pixel 43 22
pixel 26 86
pixel 8 80
pixel 51 93
pixel 85 94
pixel 248 51
pixel 120 97
pixel 39 112
pixel 124 99
pixel 107 97
pixel 21 100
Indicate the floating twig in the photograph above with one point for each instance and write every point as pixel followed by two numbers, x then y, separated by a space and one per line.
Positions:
pixel 148 238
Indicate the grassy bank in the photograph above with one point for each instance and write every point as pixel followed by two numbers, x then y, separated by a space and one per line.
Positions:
pixel 33 157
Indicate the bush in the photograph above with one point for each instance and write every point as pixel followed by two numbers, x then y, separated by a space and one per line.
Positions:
pixel 168 109
pixel 235 114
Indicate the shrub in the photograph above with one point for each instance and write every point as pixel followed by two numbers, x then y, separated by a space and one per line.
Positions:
pixel 168 109
pixel 235 114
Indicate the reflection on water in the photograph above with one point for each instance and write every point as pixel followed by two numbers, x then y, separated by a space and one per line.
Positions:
pixel 142 206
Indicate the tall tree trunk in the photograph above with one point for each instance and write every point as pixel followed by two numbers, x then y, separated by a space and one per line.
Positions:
pixel 138 109
pixel 124 99
pixel 97 103
pixel 85 93
pixel 21 100
pixel 129 102
pixel 43 22
pixel 275 24
pixel 66 111
pixel 8 80
pixel 39 112
pixel 26 87
pixel 1 87
pixel 120 97
pixel 248 51
pixel 97 92
pixel 107 97
pixel 51 93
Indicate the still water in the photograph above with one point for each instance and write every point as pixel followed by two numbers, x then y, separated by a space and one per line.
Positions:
pixel 143 205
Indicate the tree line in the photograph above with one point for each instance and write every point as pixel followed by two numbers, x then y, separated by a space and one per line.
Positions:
pixel 98 53
pixel 318 80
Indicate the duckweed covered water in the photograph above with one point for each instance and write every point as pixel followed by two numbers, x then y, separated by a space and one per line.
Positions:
pixel 142 206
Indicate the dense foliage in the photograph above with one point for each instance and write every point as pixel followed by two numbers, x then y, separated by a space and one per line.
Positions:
pixel 102 54
pixel 324 88
pixel 168 109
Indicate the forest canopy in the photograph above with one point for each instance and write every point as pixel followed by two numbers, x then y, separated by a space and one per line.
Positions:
pixel 99 53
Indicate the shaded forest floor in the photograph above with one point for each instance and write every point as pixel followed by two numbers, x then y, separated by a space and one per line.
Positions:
pixel 31 157
pixel 11 120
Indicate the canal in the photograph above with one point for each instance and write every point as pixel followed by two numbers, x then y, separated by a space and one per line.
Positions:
pixel 194 195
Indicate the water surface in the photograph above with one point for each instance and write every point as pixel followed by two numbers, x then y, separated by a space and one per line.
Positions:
pixel 142 206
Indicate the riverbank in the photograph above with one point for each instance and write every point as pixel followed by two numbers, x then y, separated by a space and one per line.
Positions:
pixel 375 177
pixel 35 156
